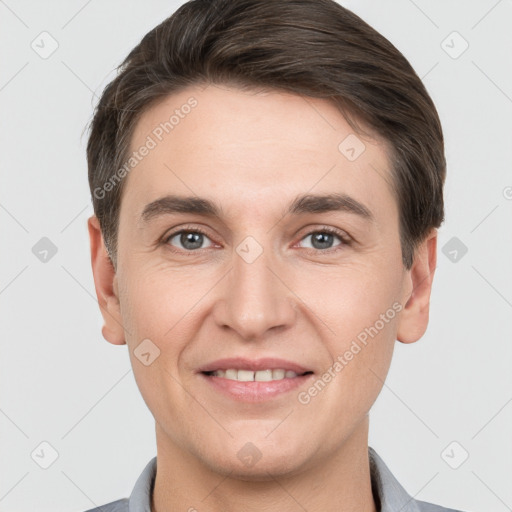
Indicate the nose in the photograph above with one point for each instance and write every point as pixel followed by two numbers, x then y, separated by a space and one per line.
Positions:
pixel 255 298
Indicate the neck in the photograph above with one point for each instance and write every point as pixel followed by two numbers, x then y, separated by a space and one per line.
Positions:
pixel 341 483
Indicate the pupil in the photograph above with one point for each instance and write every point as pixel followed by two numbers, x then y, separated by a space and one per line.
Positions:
pixel 322 240
pixel 194 240
pixel 191 240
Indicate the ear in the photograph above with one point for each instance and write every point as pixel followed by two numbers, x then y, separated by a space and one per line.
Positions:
pixel 105 282
pixel 418 283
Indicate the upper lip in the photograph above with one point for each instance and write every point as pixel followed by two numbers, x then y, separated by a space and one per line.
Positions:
pixel 242 363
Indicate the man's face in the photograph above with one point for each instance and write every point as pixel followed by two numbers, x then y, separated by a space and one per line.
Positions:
pixel 261 282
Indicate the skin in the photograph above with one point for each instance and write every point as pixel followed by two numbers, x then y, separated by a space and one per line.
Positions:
pixel 253 153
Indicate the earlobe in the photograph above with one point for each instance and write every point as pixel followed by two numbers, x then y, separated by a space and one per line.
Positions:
pixel 415 314
pixel 105 285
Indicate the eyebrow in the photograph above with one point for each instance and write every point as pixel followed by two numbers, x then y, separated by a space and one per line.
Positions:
pixel 309 203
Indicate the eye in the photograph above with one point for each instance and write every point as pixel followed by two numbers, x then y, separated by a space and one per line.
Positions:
pixel 323 239
pixel 190 239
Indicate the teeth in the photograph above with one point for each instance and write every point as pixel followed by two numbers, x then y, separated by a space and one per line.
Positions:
pixel 231 374
pixel 278 374
pixel 245 375
pixel 263 375
pixel 260 375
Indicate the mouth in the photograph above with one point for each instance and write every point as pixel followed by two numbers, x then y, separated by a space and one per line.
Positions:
pixel 246 380
pixel 267 375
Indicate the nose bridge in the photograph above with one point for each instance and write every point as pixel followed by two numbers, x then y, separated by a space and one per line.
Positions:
pixel 255 300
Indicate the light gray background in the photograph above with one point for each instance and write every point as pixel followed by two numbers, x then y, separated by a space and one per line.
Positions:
pixel 63 384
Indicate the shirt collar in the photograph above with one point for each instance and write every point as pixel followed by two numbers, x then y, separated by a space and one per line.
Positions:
pixel 140 498
pixel 389 495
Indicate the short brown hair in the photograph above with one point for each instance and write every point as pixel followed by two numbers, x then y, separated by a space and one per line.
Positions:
pixel 315 48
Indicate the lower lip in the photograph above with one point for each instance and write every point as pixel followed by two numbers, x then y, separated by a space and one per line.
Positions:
pixel 255 391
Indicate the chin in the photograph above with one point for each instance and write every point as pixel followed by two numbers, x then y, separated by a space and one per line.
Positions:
pixel 253 462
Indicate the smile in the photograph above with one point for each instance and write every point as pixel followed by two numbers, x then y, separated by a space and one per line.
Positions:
pixel 255 376
pixel 248 380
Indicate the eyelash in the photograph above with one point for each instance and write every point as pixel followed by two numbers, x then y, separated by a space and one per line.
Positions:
pixel 345 240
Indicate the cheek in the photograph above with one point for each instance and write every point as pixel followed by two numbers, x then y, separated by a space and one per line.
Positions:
pixel 159 310
pixel 357 312
pixel 156 304
pixel 348 300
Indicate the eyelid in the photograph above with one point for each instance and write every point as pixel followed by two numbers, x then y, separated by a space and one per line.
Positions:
pixel 344 237
pixel 319 228
pixel 187 229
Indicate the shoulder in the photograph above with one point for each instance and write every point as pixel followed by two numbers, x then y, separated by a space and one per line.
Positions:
pixel 423 506
pixel 114 506
pixel 389 493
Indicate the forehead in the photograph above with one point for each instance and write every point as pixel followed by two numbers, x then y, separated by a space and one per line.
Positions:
pixel 253 148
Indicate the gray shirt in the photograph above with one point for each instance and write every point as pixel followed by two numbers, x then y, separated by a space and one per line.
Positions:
pixel 389 495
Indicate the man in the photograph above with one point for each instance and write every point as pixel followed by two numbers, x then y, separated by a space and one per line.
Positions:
pixel 267 185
